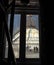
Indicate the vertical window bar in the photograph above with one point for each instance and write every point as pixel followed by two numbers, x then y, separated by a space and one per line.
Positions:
pixel 11 54
pixel 11 34
pixel 1 38
pixel 12 18
pixel 22 36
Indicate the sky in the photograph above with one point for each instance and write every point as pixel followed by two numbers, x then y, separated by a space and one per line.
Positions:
pixel 17 21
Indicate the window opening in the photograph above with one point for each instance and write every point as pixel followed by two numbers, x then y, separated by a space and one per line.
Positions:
pixel 16 35
pixel 32 36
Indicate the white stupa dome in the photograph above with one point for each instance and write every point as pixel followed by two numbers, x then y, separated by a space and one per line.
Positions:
pixel 32 35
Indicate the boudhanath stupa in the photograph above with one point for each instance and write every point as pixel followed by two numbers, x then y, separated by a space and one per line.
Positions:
pixel 32 34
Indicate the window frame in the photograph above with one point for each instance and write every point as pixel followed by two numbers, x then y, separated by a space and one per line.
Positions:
pixel 33 11
pixel 32 60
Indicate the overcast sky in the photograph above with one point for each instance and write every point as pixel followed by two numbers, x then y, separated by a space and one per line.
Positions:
pixel 17 21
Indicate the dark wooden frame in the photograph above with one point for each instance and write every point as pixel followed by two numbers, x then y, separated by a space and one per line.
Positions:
pixel 34 10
